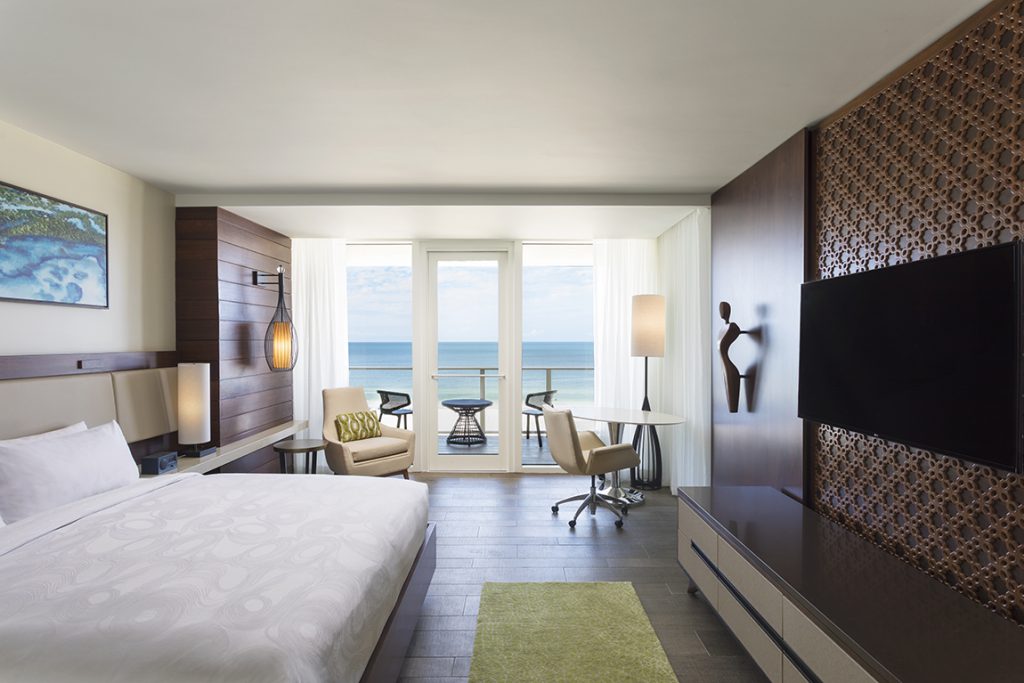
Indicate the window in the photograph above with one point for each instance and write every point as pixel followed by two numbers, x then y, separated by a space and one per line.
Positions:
pixel 379 279
pixel 558 330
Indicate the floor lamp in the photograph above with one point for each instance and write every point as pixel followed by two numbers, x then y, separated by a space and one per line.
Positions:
pixel 648 341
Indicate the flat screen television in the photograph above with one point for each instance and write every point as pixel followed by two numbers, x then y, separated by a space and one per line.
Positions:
pixel 926 354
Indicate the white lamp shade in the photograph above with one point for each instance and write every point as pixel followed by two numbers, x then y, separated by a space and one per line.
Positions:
pixel 193 403
pixel 648 325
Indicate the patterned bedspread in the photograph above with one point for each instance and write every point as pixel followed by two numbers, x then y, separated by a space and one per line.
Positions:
pixel 230 577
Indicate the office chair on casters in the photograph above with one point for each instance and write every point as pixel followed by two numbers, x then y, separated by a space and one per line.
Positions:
pixel 586 454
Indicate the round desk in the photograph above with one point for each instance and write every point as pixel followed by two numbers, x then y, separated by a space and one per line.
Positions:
pixel 466 431
pixel 615 418
pixel 311 447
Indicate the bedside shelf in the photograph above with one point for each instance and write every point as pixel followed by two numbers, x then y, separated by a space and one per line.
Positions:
pixel 239 449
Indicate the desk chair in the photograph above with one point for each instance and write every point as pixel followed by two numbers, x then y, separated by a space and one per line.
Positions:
pixel 586 454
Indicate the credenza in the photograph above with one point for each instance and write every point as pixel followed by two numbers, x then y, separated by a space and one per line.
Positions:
pixel 812 601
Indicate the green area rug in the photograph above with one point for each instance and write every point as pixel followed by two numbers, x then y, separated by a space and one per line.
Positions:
pixel 565 632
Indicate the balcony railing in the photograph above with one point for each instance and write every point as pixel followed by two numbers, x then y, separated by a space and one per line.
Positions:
pixel 483 374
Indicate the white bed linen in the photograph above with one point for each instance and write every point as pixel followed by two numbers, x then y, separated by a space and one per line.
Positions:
pixel 230 577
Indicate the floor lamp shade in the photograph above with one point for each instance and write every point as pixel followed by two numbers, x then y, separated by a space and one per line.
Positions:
pixel 193 403
pixel 648 338
pixel 648 341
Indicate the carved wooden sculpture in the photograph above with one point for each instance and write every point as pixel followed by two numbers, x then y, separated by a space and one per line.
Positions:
pixel 732 374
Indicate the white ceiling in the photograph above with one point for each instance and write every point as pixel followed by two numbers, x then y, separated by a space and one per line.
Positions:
pixel 308 96
pixel 527 222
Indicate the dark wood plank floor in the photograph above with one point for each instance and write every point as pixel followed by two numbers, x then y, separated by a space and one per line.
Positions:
pixel 500 528
pixel 533 453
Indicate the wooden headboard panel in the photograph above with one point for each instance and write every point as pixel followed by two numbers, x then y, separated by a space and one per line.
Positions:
pixel 32 406
pixel 139 390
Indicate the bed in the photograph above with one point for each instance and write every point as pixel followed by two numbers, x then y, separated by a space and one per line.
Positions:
pixel 227 577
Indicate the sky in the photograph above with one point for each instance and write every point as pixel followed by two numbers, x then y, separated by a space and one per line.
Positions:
pixel 557 303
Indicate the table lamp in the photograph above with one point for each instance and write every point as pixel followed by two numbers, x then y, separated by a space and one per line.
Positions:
pixel 648 341
pixel 194 409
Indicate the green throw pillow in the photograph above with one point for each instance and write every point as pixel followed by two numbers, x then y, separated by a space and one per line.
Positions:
pixel 357 426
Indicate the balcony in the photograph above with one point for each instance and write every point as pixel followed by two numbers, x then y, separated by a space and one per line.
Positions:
pixel 575 385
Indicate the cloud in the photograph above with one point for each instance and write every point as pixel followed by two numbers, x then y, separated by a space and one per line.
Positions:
pixel 557 303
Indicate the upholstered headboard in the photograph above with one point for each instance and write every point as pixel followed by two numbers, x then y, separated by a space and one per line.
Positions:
pixel 144 402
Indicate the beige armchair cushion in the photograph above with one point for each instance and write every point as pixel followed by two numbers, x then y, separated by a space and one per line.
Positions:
pixel 376 447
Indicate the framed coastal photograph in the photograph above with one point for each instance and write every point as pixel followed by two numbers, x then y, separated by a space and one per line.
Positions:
pixel 51 251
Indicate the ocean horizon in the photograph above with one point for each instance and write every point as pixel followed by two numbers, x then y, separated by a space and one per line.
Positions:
pixel 391 363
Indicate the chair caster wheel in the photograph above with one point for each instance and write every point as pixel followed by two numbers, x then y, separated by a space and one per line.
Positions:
pixel 618 523
pixel 554 508
pixel 572 523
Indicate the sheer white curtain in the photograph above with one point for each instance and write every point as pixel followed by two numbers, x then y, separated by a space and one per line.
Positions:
pixel 320 313
pixel 622 268
pixel 685 273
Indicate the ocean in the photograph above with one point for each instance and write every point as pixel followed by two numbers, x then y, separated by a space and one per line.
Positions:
pixel 574 386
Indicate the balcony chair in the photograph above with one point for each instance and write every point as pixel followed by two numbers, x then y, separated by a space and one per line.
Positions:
pixel 535 403
pixel 585 453
pixel 396 403
pixel 389 453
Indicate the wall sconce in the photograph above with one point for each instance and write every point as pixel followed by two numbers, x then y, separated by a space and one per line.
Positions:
pixel 194 409
pixel 280 344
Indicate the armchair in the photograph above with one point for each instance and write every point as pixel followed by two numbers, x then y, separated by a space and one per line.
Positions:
pixel 389 453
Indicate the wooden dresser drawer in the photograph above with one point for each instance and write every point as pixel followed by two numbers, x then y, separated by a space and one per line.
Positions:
pixel 691 526
pixel 698 571
pixel 751 584
pixel 821 654
pixel 759 645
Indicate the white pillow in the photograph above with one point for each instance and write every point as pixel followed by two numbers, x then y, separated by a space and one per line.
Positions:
pixel 70 429
pixel 40 475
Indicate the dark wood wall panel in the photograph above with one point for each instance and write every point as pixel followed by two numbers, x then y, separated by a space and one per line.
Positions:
pixel 931 164
pixel 52 365
pixel 758 229
pixel 264 460
pixel 222 318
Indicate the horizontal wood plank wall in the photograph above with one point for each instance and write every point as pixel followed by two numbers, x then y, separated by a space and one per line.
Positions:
pixel 222 319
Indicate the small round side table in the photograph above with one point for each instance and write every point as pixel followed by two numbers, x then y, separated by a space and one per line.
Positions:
pixel 466 431
pixel 311 447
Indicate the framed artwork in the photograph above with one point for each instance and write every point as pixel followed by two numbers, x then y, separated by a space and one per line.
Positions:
pixel 51 251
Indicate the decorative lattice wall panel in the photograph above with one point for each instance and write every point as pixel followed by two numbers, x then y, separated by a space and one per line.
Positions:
pixel 933 164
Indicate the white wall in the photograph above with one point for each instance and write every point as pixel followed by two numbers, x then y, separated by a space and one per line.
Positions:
pixel 140 262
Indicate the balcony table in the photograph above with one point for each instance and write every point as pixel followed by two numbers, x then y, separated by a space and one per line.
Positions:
pixel 466 431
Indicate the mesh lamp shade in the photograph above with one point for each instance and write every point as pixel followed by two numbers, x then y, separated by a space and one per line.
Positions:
pixel 280 344
pixel 193 403
pixel 648 338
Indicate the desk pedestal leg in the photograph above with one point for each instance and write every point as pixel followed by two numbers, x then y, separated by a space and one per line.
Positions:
pixel 629 497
